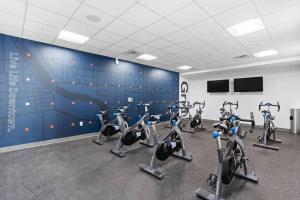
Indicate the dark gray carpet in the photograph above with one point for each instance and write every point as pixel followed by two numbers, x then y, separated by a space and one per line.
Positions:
pixel 82 170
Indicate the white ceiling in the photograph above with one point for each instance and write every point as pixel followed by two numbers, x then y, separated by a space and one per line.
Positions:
pixel 178 32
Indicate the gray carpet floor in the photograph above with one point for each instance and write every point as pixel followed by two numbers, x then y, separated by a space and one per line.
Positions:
pixel 83 170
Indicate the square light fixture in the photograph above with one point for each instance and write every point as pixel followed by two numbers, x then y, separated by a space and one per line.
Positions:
pixel 184 67
pixel 246 27
pixel 265 53
pixel 146 57
pixel 72 37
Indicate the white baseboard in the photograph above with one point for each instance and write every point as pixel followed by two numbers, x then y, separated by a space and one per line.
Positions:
pixel 43 143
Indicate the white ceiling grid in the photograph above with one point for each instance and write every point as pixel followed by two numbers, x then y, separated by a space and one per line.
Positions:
pixel 178 32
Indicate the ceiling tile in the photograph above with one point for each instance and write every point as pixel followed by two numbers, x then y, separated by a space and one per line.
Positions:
pixel 13 7
pixel 107 53
pixel 193 43
pixel 97 44
pixel 81 28
pixel 43 16
pixel 108 37
pixel 216 6
pixel 62 7
pixel 139 16
pixel 159 53
pixel 10 30
pixel 285 32
pixel 11 20
pixel 162 28
pixel 260 46
pixel 165 7
pixel 83 11
pixel 143 36
pixel 237 15
pixel 88 49
pixel 128 43
pixel 66 44
pixel 145 49
pixel 113 7
pixel 282 16
pixel 269 6
pixel 188 15
pixel 204 27
pixel 38 37
pixel 121 28
pixel 227 45
pixel 40 29
pixel 160 43
pixel 117 49
pixel 179 36
pixel 215 36
pixel 253 37
pixel 173 49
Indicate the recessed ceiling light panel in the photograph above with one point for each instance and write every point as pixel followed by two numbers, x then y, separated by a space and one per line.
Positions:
pixel 146 57
pixel 246 27
pixel 265 53
pixel 72 37
pixel 184 67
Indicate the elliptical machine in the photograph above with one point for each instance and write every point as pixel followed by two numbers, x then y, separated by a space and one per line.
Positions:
pixel 138 132
pixel 269 128
pixel 196 122
pixel 232 159
pixel 171 145
pixel 111 128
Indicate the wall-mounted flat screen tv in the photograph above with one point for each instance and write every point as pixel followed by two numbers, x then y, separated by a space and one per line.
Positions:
pixel 251 84
pixel 218 86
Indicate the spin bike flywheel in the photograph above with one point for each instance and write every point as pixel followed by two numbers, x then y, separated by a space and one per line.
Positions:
pixel 230 164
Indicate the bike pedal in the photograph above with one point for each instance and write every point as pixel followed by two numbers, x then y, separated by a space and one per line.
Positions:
pixel 212 180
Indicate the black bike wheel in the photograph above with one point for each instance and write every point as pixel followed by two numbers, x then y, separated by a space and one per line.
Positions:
pixel 228 170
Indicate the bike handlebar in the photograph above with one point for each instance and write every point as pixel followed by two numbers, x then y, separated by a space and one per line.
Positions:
pixel 269 105
pixel 230 104
pixel 202 105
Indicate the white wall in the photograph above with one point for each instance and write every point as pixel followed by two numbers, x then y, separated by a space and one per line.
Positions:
pixel 281 85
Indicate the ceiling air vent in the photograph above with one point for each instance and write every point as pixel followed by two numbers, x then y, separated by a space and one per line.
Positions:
pixel 242 56
pixel 131 52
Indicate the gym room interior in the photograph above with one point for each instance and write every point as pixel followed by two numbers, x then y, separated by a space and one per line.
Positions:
pixel 149 99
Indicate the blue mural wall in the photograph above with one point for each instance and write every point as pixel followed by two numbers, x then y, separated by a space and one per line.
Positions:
pixel 46 91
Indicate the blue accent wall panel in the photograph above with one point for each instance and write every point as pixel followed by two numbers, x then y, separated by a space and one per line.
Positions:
pixel 46 91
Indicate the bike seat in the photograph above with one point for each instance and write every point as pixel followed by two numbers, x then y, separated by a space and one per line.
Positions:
pixel 220 125
pixel 102 112
pixel 155 117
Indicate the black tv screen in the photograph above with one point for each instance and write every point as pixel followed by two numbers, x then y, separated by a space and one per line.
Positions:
pixel 251 84
pixel 218 86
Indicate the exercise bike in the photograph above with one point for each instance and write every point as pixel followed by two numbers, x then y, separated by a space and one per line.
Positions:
pixel 225 113
pixel 196 122
pixel 232 159
pixel 185 108
pixel 138 132
pixel 171 145
pixel 108 130
pixel 171 112
pixel 269 128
